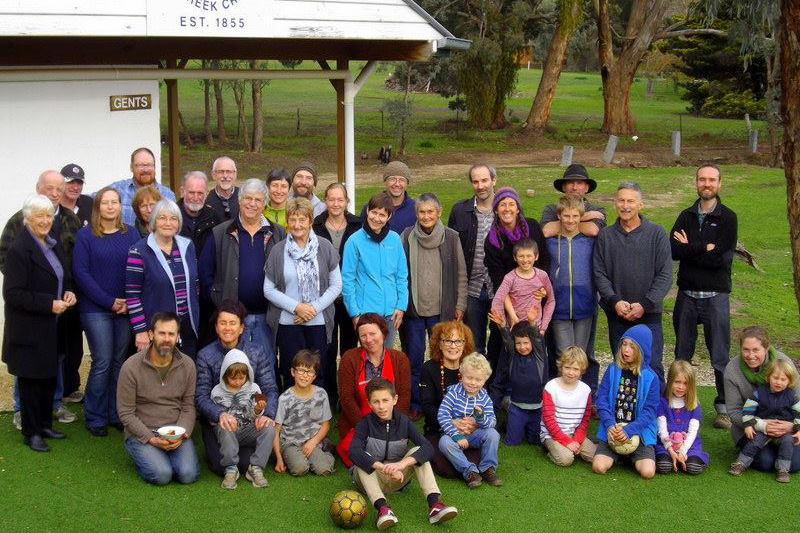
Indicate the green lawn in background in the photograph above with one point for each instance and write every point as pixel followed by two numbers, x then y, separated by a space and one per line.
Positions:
pixel 88 484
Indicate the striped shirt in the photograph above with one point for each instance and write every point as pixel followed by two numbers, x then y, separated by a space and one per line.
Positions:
pixel 458 404
pixel 565 413
pixel 479 277
pixel 175 262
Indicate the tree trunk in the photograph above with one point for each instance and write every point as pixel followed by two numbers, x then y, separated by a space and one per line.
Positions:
pixel 258 115
pixel 617 73
pixel 569 19
pixel 223 138
pixel 207 109
pixel 238 95
pixel 185 129
pixel 790 104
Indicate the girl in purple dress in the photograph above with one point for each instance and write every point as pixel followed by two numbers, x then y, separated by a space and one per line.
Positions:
pixel 679 416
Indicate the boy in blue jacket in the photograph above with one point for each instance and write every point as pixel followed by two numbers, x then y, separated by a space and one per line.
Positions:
pixel 469 399
pixel 382 461
pixel 627 403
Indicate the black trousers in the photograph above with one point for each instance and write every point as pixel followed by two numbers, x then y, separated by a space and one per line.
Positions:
pixel 71 333
pixel 36 404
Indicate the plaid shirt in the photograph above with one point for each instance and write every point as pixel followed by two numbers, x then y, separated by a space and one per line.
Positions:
pixel 127 189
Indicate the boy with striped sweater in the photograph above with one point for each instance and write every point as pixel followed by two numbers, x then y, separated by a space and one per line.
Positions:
pixel 469 400
pixel 566 409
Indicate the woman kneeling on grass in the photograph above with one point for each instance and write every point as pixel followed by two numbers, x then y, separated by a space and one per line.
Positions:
pixel 627 401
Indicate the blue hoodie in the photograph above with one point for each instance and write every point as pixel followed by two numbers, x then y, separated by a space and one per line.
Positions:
pixel 647 392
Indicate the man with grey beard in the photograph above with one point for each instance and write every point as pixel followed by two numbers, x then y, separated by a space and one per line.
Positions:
pixel 198 217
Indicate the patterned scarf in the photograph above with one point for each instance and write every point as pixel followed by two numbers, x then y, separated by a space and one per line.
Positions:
pixel 305 260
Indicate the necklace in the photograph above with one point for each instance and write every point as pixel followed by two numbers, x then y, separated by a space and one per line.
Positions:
pixel 441 376
pixel 341 226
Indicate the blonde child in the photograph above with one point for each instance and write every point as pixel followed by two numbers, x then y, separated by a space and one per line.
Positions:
pixel 469 398
pixel 523 287
pixel 566 409
pixel 777 400
pixel 302 421
pixel 679 417
pixel 627 401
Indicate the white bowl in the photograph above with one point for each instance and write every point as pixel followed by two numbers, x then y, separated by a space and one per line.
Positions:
pixel 171 432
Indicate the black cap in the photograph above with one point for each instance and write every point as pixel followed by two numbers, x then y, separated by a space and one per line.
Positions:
pixel 72 172
pixel 575 172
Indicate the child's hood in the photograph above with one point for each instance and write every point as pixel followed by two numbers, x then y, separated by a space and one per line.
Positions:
pixel 643 337
pixel 234 356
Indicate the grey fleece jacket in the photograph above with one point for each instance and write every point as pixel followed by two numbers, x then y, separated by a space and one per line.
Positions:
pixel 633 266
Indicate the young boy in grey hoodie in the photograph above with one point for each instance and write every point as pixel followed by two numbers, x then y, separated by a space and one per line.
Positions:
pixel 242 398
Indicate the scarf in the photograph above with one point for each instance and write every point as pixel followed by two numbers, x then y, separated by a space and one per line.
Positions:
pixel 520 231
pixel 759 377
pixel 305 261
pixel 416 238
pixel 377 237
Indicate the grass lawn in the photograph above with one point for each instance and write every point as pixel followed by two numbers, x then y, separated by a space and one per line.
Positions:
pixel 88 484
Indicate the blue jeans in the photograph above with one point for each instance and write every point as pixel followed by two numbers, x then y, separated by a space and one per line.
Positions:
pixel 158 467
pixel 57 395
pixel 109 335
pixel 487 439
pixel 476 318
pixel 258 331
pixel 414 332
pixel 388 342
pixel 764 461
pixel 522 424
pixel 715 315
pixel 617 326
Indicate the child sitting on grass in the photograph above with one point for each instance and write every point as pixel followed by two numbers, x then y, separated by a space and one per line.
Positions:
pixel 382 460
pixel 521 374
pixel 469 398
pixel 242 398
pixel 679 417
pixel 566 409
pixel 302 421
pixel 627 400
pixel 776 400
pixel 523 287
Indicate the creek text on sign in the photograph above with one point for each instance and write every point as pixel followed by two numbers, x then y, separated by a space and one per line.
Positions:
pixel 130 102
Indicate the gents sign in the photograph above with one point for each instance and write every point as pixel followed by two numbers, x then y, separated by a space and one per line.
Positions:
pixel 130 102
pixel 209 18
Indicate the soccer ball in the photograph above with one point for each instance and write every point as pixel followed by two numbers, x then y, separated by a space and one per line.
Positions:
pixel 625 448
pixel 348 509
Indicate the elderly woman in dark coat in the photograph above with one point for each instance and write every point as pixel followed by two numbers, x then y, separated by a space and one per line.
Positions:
pixel 36 291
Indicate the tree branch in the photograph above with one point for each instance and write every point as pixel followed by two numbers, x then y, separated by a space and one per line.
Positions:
pixel 686 33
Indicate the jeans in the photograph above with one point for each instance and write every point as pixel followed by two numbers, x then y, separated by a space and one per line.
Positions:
pixel 617 327
pixel 414 333
pixel 388 342
pixel 476 317
pixel 158 467
pixel 292 339
pixel 487 439
pixel 578 333
pixel 258 331
pixel 523 424
pixel 765 459
pixel 715 316
pixel 57 395
pixel 109 335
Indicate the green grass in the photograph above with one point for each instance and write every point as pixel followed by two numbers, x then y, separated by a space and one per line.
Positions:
pixel 88 484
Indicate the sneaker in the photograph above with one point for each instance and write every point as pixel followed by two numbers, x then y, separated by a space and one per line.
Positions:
pixel 722 421
pixel 737 469
pixel 17 420
pixel 782 476
pixel 473 480
pixel 231 475
pixel 490 477
pixel 439 513
pixel 386 518
pixel 75 397
pixel 64 415
pixel 255 476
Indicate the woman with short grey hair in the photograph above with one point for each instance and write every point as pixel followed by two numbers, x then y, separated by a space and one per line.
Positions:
pixel 161 275
pixel 37 291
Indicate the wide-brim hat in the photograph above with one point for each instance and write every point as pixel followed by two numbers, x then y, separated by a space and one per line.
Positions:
pixel 575 172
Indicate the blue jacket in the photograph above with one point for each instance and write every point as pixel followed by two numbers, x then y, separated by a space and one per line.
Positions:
pixel 647 392
pixel 374 274
pixel 571 276
pixel 209 367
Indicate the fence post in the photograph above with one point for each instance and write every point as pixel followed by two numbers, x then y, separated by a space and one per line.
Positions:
pixel 566 156
pixel 611 146
pixel 676 143
pixel 752 141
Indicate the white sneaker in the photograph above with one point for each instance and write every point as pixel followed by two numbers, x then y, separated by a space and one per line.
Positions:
pixel 64 415
pixel 17 420
pixel 231 475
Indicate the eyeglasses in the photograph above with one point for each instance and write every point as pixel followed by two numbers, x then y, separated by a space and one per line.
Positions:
pixel 143 165
pixel 305 371
pixel 229 172
pixel 250 199
pixel 453 342
pixel 226 205
pixel 165 218
pixel 396 179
